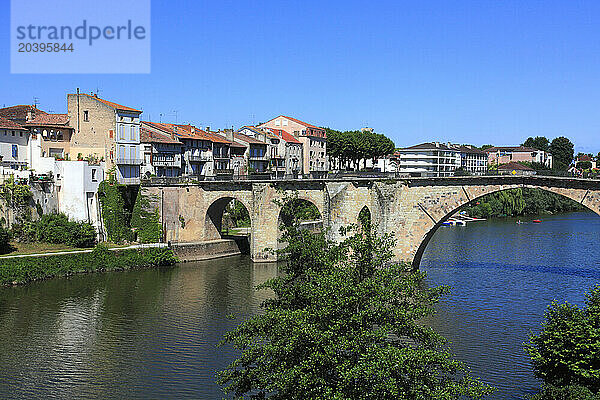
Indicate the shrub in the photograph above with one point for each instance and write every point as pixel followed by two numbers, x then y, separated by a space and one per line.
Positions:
pixel 58 229
pixel 567 350
pixel 571 392
pixel 26 269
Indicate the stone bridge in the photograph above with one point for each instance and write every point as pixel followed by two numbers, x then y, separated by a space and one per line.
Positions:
pixel 409 208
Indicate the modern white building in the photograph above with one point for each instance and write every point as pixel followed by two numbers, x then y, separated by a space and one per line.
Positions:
pixel 428 159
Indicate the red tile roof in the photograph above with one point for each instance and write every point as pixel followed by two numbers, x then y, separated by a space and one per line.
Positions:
pixel 57 120
pixel 284 135
pixel 297 121
pixel 109 103
pixel 8 124
pixel 246 138
pixel 187 132
pixel 515 166
pixel 584 157
pixel 20 112
pixel 514 149
pixel 149 136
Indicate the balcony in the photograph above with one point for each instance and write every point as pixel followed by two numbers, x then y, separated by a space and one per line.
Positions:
pixel 162 162
pixel 129 161
pixel 200 158
pixel 129 181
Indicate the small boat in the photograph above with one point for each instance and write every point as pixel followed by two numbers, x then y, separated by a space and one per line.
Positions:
pixel 519 222
pixel 537 221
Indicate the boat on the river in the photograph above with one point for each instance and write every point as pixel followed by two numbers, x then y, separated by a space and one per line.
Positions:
pixel 537 221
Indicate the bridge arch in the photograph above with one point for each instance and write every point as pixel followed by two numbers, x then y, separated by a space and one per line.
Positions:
pixel 573 194
pixel 213 220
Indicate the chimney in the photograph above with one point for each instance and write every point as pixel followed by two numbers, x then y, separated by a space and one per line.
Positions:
pixel 229 135
pixel 208 129
pixel 29 115
pixel 193 129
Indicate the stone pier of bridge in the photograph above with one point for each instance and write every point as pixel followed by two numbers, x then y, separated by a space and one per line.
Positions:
pixel 411 209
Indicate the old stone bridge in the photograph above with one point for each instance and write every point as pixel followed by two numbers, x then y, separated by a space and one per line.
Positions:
pixel 409 208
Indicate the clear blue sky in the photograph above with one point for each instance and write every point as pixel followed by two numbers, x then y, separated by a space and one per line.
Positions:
pixel 471 71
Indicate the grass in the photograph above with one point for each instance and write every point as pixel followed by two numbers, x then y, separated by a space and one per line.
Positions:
pixel 39 247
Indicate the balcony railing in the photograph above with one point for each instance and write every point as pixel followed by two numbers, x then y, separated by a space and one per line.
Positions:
pixel 129 161
pixel 166 163
pixel 200 158
pixel 129 181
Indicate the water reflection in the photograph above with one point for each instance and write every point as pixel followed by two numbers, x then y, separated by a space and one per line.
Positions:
pixel 154 333
pixel 136 334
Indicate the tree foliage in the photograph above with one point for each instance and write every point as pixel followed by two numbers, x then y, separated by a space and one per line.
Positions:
pixel 567 350
pixel 344 324
pixel 538 142
pixel 15 193
pixel 521 201
pixel 350 147
pixel 562 151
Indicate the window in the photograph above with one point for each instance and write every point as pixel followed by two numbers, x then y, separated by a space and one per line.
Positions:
pixel 86 115
pixel 285 122
pixel 15 151
pixel 13 133
pixel 21 134
pixel 277 123
pixel 94 175
pixel 121 132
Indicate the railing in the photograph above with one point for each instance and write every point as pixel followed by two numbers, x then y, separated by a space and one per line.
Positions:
pixel 338 175
pixel 166 163
pixel 129 181
pixel 201 157
pixel 129 161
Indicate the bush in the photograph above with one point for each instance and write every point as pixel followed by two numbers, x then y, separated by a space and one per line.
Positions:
pixel 58 229
pixel 27 269
pixel 571 392
pixel 567 350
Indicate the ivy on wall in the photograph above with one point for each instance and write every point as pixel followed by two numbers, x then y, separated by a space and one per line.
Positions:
pixel 145 219
pixel 114 214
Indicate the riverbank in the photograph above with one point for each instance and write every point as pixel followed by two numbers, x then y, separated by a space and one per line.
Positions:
pixel 24 269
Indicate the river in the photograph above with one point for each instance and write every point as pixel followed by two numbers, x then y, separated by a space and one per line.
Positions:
pixel 153 333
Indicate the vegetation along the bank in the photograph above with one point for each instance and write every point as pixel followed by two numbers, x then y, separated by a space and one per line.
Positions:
pixel 566 353
pixel 345 324
pixel 26 269
pixel 521 201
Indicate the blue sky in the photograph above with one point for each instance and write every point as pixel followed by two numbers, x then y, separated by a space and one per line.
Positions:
pixel 475 72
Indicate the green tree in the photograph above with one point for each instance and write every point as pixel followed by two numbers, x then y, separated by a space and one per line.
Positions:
pixel 345 323
pixel 486 146
pixel 567 350
pixel 562 152
pixel 584 165
pixel 538 142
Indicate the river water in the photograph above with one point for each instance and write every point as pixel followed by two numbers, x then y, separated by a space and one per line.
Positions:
pixel 153 333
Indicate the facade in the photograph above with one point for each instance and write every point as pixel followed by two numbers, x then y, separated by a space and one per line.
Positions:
pixel 428 159
pixel 76 184
pixel 472 160
pixel 106 131
pixel 313 139
pixel 256 156
pixel 53 132
pixel 161 152
pixel 507 154
pixel 289 152
pixel 14 141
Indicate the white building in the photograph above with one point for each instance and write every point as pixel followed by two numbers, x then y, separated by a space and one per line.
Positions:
pixel 76 185
pixel 14 141
pixel 429 159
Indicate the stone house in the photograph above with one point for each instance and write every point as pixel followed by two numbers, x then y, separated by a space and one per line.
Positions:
pixel 106 131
